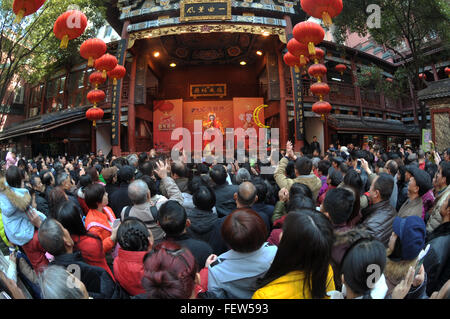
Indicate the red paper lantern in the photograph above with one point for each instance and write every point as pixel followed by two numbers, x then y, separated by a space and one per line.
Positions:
pixel 298 49
pixel 322 9
pixel 92 49
pixel 105 63
pixel 290 59
pixel 318 56
pixel 309 33
pixel 117 73
pixel 96 78
pixel 317 71
pixel 389 80
pixel 322 108
pixel 341 68
pixel 69 25
pixel 94 114
pixel 447 71
pixel 23 8
pixel 96 96
pixel 164 106
pixel 422 76
pixel 320 89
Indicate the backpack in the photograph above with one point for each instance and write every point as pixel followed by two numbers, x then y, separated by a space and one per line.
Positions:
pixel 153 211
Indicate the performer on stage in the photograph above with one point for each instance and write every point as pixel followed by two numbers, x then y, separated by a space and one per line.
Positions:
pixel 212 124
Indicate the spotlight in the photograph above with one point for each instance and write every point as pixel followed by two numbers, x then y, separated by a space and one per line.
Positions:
pixel 259 52
pixel 156 54
pixel 172 65
pixel 243 63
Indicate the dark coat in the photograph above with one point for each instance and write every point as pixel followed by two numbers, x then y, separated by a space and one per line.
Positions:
pixel 379 220
pixel 206 226
pixel 98 282
pixel 263 211
pixel 437 261
pixel 200 249
pixel 225 202
pixel 111 188
pixel 402 195
pixel 119 199
pixel 41 203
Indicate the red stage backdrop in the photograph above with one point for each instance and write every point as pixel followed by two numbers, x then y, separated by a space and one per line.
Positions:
pixel 167 115
pixel 199 110
pixel 243 114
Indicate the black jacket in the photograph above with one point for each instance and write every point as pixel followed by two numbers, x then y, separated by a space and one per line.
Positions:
pixel 119 199
pixel 379 220
pixel 98 282
pixel 437 261
pixel 402 195
pixel 73 199
pixel 266 212
pixel 225 202
pixel 111 188
pixel 41 203
pixel 200 249
pixel 206 226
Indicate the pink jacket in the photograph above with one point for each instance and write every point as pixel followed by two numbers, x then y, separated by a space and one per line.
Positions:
pixel 10 161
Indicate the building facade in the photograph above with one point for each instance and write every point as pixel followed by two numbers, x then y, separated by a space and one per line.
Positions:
pixel 170 48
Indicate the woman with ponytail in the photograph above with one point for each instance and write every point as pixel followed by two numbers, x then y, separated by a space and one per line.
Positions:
pixel 135 241
pixel 170 272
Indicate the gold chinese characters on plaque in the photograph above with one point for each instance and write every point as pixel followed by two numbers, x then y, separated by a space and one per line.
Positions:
pixel 194 10
pixel 199 90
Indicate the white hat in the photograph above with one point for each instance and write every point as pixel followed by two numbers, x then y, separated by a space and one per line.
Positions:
pixel 345 150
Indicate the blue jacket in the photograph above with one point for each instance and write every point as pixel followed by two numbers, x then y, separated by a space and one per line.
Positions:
pixel 234 274
pixel 18 227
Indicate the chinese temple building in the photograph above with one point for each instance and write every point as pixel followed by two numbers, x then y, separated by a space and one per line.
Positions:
pixel 187 59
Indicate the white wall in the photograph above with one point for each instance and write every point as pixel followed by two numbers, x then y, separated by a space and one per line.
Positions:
pixel 314 127
pixel 103 135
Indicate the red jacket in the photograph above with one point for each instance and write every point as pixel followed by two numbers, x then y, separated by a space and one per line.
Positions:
pixel 129 270
pixel 99 223
pixel 91 251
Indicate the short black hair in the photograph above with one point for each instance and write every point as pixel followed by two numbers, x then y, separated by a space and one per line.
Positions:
pixel 335 177
pixel 178 168
pixel 445 168
pixel 93 194
pixel 125 174
pixel 323 167
pixel 204 198
pixel 14 177
pixel 301 189
pixel 384 183
pixel 132 235
pixel 261 190
pixel 172 218
pixel 299 202
pixel 303 165
pixel 338 203
pixel 218 174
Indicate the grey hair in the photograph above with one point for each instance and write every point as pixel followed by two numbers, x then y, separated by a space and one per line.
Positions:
pixel 132 159
pixel 55 283
pixel 61 178
pixel 137 192
pixel 242 175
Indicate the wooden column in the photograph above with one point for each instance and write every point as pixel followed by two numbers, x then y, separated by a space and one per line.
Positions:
pixel 116 149
pixel 131 109
pixel 283 107
pixel 435 74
